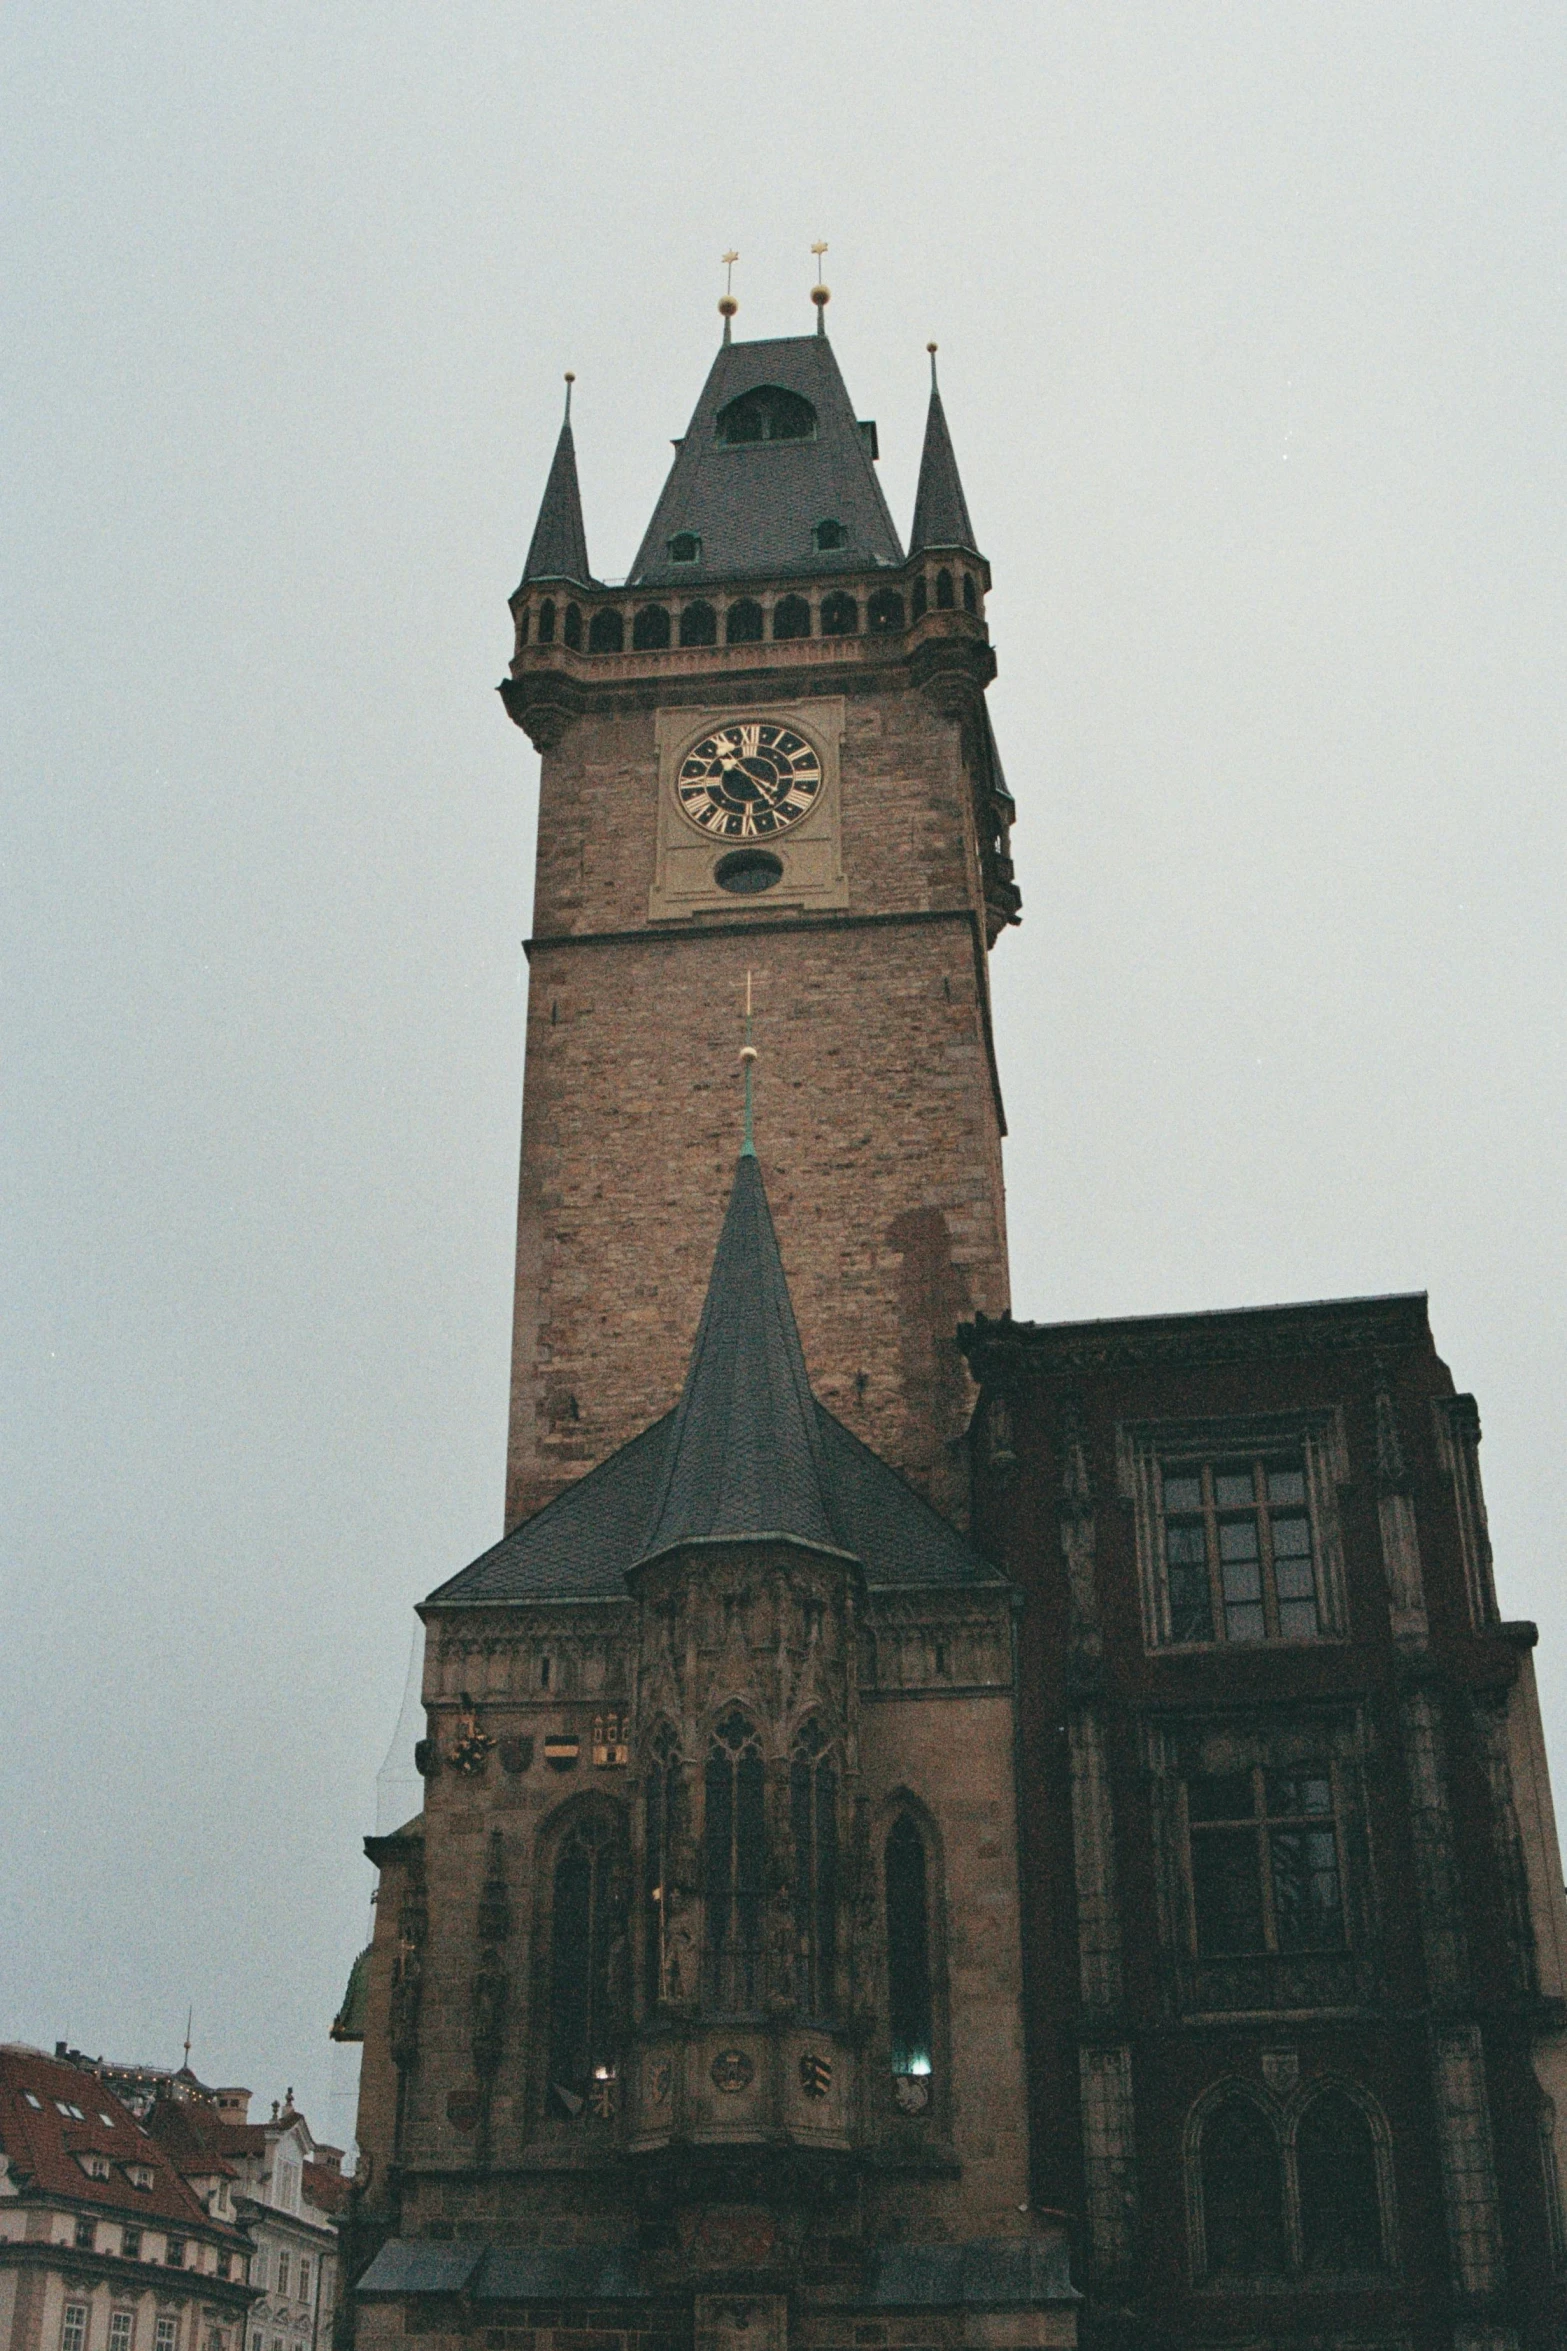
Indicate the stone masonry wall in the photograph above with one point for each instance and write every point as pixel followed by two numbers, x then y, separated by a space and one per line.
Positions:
pixel 877 1121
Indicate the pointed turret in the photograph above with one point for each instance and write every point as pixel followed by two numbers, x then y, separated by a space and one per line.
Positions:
pixel 558 549
pixel 941 517
pixel 746 1455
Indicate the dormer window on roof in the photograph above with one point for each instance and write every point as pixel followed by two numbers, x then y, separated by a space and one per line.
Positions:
pixel 685 547
pixel 829 534
pixel 768 413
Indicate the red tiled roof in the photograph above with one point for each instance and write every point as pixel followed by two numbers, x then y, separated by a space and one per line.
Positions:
pixel 43 2144
pixel 193 2136
pixel 327 2189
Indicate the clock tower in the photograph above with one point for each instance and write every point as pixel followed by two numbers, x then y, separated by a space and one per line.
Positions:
pixel 767 753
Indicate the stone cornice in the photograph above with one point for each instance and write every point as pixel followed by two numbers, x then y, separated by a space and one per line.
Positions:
pixel 1004 1351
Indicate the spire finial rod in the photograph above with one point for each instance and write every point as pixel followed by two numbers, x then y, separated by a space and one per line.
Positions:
pixel 570 380
pixel 931 348
pixel 821 295
pixel 748 1058
pixel 727 305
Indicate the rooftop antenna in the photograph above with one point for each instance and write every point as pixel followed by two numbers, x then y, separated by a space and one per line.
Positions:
pixel 931 348
pixel 189 2013
pixel 570 380
pixel 727 305
pixel 747 1062
pixel 821 295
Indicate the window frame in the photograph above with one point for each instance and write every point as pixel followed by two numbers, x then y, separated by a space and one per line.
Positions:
pixel 74 2337
pixel 1268 1984
pixel 1147 1451
pixel 1284 2116
pixel 1262 1823
pixel 122 2329
pixel 594 1827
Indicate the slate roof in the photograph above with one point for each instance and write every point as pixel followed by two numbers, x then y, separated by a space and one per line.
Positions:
pixel 941 516
pixel 745 1455
pixel 747 1452
pixel 754 507
pixel 558 549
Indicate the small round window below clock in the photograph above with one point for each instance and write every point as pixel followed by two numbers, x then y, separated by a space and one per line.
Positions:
pixel 747 872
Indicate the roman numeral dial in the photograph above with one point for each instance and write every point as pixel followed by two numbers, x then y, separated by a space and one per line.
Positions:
pixel 749 781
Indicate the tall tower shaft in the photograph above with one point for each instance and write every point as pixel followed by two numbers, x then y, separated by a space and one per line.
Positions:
pixel 768 752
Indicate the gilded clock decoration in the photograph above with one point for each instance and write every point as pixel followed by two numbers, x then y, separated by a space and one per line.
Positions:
pixel 749 781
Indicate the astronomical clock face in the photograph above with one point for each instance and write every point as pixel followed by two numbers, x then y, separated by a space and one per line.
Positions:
pixel 749 782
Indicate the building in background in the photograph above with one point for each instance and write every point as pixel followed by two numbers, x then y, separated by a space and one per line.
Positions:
pixel 105 2245
pixel 287 2190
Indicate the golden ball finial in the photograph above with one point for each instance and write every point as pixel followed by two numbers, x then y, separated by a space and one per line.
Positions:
pixel 931 348
pixel 570 376
pixel 727 306
pixel 821 296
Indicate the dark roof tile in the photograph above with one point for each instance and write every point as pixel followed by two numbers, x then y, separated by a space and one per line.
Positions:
pixel 941 516
pixel 755 506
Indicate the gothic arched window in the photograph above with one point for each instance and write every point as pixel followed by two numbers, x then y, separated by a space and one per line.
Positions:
pixel 813 1821
pixel 587 1959
pixel 921 597
pixel 792 617
pixel 909 2005
pixel 943 591
pixel 840 616
pixel 573 628
pixel 1242 2193
pixel 743 625
pixel 735 1862
pixel 699 625
pixel 885 612
pixel 1340 2204
pixel 663 1967
pixel 606 632
pixel 650 629
pixel 970 596
pixel 547 621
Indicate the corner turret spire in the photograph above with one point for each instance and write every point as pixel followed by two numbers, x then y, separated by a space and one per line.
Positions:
pixel 558 549
pixel 941 516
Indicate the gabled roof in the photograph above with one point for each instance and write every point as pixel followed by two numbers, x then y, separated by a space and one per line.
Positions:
pixel 747 1452
pixel 755 506
pixel 325 2187
pixel 558 549
pixel 43 2145
pixel 941 516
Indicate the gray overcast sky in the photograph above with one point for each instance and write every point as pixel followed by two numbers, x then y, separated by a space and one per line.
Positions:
pixel 1252 344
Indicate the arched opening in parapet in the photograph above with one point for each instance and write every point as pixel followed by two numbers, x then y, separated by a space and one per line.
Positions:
pixel 768 413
